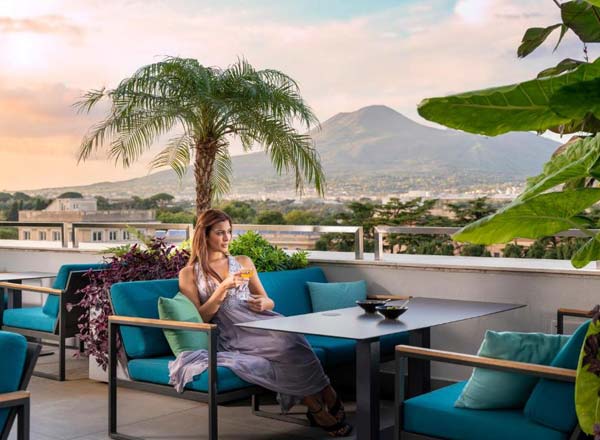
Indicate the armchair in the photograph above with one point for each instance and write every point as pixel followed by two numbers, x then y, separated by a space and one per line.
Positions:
pixel 549 413
pixel 53 321
pixel 16 366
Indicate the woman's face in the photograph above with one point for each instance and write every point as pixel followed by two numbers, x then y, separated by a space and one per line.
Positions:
pixel 219 237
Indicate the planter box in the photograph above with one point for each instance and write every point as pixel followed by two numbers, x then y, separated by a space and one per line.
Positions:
pixel 97 373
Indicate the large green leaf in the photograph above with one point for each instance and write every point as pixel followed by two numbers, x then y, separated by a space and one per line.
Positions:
pixel 575 162
pixel 517 107
pixel 587 253
pixel 578 100
pixel 539 216
pixel 583 18
pixel 533 38
pixel 587 386
pixel 565 65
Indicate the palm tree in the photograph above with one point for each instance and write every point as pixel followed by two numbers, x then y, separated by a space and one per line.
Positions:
pixel 210 106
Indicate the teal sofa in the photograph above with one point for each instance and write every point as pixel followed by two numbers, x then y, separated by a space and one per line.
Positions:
pixel 549 413
pixel 148 353
pixel 54 320
pixel 16 365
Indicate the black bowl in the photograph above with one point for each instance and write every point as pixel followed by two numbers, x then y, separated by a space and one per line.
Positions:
pixel 391 312
pixel 369 305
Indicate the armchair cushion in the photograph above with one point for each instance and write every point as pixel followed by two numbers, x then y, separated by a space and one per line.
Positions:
pixel 60 282
pixel 434 414
pixel 32 318
pixel 552 403
pixel 330 296
pixel 14 351
pixel 180 308
pixel 489 389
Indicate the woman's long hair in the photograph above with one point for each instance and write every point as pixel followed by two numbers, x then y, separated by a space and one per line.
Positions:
pixel 199 253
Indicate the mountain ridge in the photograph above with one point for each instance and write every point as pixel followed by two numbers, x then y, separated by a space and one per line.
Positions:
pixel 372 150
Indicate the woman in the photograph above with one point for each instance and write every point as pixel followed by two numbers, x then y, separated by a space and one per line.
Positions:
pixel 281 362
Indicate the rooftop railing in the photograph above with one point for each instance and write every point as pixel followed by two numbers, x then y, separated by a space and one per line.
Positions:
pixel 381 230
pixel 357 231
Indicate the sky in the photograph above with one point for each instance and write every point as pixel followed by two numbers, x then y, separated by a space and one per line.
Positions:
pixel 345 54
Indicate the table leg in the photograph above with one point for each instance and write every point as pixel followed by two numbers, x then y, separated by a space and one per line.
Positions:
pixel 367 389
pixel 419 371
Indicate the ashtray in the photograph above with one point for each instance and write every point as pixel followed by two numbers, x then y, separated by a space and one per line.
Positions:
pixel 369 305
pixel 390 311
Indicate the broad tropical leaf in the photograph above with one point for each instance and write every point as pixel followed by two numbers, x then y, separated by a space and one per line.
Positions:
pixel 578 100
pixel 589 252
pixel 583 18
pixel 533 38
pixel 575 162
pixel 565 65
pixel 540 216
pixel 586 387
pixel 517 107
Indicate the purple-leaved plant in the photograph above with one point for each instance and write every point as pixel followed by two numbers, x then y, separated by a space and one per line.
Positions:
pixel 157 261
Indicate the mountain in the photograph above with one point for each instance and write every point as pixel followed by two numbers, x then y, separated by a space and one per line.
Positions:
pixel 373 150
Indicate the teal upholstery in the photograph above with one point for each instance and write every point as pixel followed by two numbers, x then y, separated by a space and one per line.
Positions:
pixel 339 351
pixel 490 389
pixel 434 414
pixel 14 351
pixel 156 370
pixel 331 296
pixel 139 299
pixel 32 318
pixel 289 291
pixel 552 403
pixel 60 282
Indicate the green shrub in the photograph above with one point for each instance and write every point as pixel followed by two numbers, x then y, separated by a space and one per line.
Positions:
pixel 266 257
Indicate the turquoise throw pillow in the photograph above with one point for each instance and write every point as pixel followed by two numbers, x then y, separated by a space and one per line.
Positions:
pixel 330 296
pixel 552 402
pixel 489 389
pixel 180 308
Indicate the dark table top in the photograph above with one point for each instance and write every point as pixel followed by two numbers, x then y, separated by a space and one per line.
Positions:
pixel 16 276
pixel 354 323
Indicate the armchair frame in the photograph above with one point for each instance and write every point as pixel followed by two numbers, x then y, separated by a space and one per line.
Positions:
pixel 19 401
pixel 560 317
pixel 406 351
pixel 66 322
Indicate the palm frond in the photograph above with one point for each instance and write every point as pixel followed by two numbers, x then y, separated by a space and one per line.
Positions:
pixel 176 155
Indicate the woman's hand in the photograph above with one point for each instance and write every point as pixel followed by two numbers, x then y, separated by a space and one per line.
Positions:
pixel 259 303
pixel 233 281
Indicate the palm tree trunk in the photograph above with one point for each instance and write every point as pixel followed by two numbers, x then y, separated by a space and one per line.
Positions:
pixel 203 169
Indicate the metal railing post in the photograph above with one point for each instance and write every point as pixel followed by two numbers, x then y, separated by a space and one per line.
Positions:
pixel 64 235
pixel 378 245
pixel 359 244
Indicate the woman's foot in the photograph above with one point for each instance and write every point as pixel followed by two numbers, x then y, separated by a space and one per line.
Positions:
pixel 322 418
pixel 334 404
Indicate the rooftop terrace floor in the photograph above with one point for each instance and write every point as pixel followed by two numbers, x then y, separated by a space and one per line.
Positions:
pixel 77 409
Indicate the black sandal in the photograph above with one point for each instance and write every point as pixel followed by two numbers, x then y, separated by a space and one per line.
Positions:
pixel 337 410
pixel 338 429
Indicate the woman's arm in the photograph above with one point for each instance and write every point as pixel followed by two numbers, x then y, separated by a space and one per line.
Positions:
pixel 187 286
pixel 260 301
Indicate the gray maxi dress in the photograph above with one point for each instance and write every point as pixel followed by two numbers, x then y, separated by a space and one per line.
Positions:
pixel 280 362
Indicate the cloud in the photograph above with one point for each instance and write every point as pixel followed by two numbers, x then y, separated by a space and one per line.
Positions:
pixel 47 24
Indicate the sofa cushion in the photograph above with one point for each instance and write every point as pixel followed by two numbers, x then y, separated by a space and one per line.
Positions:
pixel 156 370
pixel 342 351
pixel 139 299
pixel 14 351
pixel 331 296
pixel 288 289
pixel 60 282
pixel 490 389
pixel 552 403
pixel 434 414
pixel 180 308
pixel 32 318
